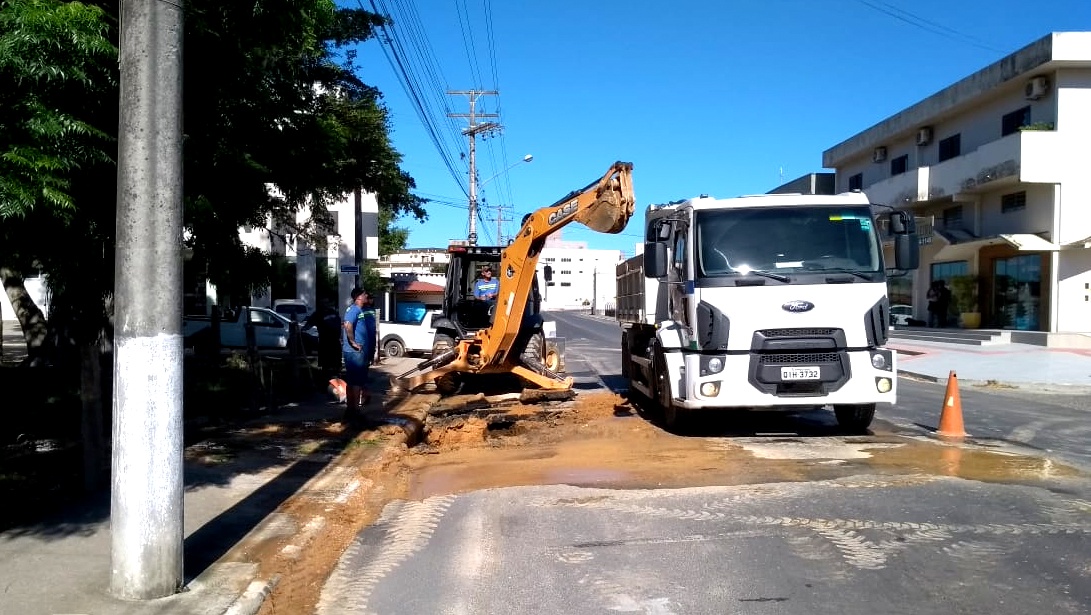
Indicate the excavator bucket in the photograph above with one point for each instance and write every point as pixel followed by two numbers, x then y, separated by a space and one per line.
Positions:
pixel 613 205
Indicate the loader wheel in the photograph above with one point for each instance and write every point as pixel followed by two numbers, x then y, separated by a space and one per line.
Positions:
pixel 442 344
pixel 553 360
pixel 532 354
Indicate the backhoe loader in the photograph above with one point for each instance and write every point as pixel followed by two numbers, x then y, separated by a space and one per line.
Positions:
pixel 508 343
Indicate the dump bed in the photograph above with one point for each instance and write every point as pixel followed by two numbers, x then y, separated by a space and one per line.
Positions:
pixel 630 290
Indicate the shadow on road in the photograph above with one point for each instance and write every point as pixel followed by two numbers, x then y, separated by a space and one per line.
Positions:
pixel 808 422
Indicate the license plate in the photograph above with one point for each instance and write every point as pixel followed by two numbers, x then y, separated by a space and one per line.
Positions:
pixel 800 373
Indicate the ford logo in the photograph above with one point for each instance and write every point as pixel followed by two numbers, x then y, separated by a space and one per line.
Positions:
pixel 797 306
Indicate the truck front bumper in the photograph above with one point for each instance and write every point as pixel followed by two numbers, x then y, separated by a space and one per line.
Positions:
pixel 753 381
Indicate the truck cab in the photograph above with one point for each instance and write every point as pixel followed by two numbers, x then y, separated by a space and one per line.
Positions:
pixel 770 301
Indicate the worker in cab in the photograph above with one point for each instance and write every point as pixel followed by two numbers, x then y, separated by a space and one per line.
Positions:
pixel 486 287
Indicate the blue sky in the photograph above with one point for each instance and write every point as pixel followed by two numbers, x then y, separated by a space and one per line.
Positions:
pixel 719 98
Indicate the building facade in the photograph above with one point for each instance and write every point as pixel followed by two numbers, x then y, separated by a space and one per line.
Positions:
pixel 414 260
pixel 582 277
pixel 994 169
pixel 352 239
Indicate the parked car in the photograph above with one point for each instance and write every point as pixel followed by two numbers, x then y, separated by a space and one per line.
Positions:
pixel 901 314
pixel 271 330
pixel 399 338
pixel 292 309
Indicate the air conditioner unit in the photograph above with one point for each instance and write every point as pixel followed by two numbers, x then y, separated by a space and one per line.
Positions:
pixel 879 154
pixel 924 136
pixel 1036 88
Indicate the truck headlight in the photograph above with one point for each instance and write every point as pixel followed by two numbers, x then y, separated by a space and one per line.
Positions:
pixel 710 389
pixel 878 361
pixel 715 365
pixel 883 385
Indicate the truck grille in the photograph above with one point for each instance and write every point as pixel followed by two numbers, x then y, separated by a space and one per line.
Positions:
pixel 808 358
pixel 797 332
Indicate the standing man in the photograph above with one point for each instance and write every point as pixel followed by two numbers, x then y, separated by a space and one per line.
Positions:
pixel 486 288
pixel 358 344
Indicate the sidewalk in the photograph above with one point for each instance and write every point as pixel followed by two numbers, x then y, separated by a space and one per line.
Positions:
pixel 232 504
pixel 1020 365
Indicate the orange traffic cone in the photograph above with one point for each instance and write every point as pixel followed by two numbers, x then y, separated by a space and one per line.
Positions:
pixel 950 419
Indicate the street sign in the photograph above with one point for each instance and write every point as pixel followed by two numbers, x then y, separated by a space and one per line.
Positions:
pixel 350 269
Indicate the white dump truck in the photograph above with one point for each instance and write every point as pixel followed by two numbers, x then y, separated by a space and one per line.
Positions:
pixel 766 302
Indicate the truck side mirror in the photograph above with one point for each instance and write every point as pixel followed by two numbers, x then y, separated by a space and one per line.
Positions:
pixel 655 259
pixel 547 273
pixel 907 251
pixel 902 223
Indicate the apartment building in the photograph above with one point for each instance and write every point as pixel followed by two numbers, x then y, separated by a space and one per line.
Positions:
pixel 995 169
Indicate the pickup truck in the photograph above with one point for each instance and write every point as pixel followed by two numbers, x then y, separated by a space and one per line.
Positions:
pixel 399 338
pixel 271 330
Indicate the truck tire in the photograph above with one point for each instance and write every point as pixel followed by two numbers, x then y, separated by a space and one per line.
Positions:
pixel 625 358
pixel 674 418
pixel 393 348
pixel 855 418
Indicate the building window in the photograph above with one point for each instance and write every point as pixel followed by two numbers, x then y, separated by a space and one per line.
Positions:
pixel 566 272
pixel 899 165
pixel 1016 201
pixel 1012 121
pixel 566 260
pixel 950 147
pixel 856 182
pixel 952 217
pixel 566 283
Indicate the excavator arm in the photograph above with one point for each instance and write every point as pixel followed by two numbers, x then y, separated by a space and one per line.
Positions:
pixel 605 205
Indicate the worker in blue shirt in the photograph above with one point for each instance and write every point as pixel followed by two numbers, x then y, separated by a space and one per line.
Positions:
pixel 359 343
pixel 486 287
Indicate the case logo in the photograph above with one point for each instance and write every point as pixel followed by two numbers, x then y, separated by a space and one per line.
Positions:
pixel 563 212
pixel 797 305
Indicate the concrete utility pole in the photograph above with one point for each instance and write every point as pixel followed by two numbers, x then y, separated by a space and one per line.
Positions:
pixel 472 131
pixel 146 492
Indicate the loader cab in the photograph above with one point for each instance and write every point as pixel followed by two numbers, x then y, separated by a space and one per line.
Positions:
pixel 462 313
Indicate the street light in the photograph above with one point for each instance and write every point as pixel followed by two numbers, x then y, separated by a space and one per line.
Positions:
pixel 499 215
pixel 527 158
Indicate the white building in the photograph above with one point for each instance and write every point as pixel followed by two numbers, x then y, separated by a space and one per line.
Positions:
pixel 414 260
pixel 995 169
pixel 582 277
pixel 352 239
pixel 37 289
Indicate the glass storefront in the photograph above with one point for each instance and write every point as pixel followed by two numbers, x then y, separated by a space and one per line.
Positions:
pixel 946 272
pixel 1017 292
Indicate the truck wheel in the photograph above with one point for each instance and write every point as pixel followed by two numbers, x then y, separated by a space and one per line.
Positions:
pixel 674 418
pixel 854 418
pixel 625 355
pixel 394 348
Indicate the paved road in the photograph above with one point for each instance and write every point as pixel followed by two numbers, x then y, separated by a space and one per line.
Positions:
pixel 992 534
pixel 1055 424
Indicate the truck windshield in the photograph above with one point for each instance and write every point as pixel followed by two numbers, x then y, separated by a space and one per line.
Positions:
pixel 787 240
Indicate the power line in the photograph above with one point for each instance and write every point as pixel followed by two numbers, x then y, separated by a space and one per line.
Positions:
pixel 927 24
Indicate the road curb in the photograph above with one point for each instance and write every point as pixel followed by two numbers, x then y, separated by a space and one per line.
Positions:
pixel 918 376
pixel 409 413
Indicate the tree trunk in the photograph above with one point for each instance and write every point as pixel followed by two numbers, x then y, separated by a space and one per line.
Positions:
pixel 91 424
pixel 31 319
